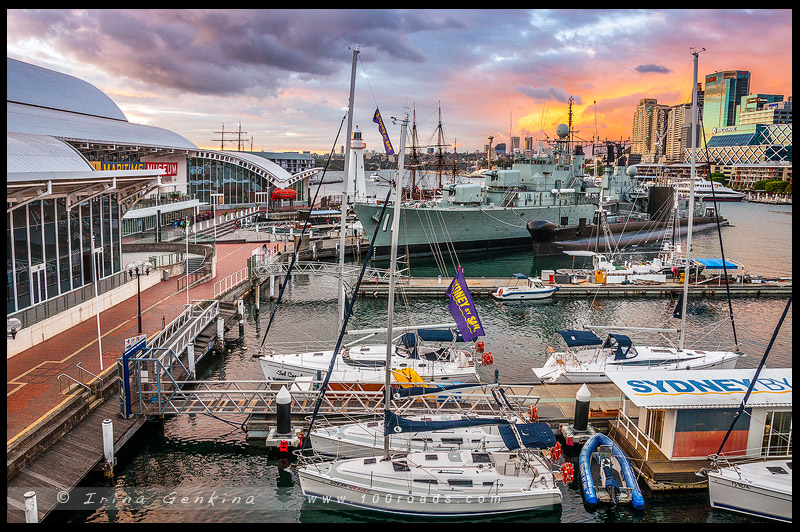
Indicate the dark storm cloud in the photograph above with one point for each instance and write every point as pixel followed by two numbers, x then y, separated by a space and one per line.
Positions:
pixel 652 68
pixel 214 52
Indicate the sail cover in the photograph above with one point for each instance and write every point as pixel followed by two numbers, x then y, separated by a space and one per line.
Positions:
pixel 533 435
pixel 394 424
pixel 578 338
pixel 438 335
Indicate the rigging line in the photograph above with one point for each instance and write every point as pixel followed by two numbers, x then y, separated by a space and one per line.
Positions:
pixel 348 311
pixel 755 376
pixel 498 219
pixel 358 57
pixel 451 248
pixel 721 250
pixel 296 253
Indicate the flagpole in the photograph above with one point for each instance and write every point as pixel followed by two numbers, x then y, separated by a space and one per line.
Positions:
pixel 398 187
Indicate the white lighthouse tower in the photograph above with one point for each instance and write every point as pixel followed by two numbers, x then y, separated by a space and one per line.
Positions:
pixel 357 181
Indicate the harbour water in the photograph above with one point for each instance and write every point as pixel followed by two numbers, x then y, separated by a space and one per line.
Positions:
pixel 208 462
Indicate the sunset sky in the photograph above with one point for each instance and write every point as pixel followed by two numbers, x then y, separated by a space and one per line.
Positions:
pixel 285 75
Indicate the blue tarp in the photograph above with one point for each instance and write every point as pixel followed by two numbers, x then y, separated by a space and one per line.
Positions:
pixel 715 264
pixel 533 436
pixel 577 338
pixel 392 422
pixel 520 276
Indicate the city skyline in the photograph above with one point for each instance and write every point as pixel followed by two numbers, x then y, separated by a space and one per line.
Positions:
pixel 287 82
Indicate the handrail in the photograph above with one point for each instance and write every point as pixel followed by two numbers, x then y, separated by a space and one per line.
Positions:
pixel 229 282
pixel 60 388
pixel 635 431
pixel 81 369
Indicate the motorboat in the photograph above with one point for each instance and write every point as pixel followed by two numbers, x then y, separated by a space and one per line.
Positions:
pixel 523 287
pixel 607 475
pixel 702 191
pixel 762 488
pixel 589 358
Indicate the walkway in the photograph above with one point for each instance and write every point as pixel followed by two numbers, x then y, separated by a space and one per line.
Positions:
pixel 32 387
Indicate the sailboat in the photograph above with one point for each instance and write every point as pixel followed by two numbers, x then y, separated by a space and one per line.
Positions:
pixel 760 486
pixel 439 483
pixel 589 358
pixel 365 365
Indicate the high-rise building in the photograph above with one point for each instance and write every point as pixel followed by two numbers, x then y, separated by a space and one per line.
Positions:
pixel 649 129
pixel 723 94
pixel 764 109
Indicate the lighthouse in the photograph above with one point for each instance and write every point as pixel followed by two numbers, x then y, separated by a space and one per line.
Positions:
pixel 357 181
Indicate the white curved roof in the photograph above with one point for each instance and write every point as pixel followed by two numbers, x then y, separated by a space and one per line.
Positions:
pixel 84 128
pixel 37 153
pixel 32 85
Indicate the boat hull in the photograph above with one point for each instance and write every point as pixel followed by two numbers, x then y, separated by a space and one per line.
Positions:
pixel 318 488
pixel 728 492
pixel 524 296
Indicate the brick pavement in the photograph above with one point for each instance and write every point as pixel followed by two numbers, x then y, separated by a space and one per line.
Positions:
pixel 32 386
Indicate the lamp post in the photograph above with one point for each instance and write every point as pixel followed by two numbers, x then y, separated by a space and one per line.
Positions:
pixel 13 325
pixel 138 268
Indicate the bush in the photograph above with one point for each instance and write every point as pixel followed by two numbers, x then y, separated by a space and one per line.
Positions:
pixel 776 186
pixel 759 185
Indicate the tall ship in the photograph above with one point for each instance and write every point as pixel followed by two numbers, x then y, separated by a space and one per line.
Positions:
pixel 551 185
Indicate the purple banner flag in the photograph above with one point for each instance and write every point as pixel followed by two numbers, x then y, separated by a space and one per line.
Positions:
pixel 387 144
pixel 463 309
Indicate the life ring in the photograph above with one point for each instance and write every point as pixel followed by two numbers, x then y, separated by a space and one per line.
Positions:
pixel 555 452
pixel 533 413
pixel 479 345
pixel 499 291
pixel 487 359
pixel 568 471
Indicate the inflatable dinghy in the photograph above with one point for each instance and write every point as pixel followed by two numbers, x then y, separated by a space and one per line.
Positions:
pixel 607 475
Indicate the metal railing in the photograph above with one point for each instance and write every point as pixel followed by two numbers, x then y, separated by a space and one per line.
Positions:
pixel 230 282
pixel 328 268
pixel 73 379
pixel 193 277
pixel 51 307
pixel 625 423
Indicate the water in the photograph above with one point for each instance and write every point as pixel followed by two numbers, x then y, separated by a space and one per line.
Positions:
pixel 198 456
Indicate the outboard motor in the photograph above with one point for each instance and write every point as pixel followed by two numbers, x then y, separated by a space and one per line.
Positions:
pixel 607 479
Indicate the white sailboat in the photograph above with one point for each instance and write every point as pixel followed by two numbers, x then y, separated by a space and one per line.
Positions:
pixel 438 483
pixel 595 357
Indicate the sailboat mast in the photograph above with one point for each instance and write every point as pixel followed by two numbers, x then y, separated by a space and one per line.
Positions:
pixel 343 233
pixel 392 268
pixel 687 268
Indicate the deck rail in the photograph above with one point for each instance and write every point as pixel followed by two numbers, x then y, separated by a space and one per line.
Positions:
pixel 626 424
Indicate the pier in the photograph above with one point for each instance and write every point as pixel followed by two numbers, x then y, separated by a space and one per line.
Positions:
pixel 483 287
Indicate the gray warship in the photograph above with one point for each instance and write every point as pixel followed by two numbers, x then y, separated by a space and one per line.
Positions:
pixel 551 185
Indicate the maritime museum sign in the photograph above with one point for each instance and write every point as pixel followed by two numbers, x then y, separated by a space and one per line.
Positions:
pixel 170 169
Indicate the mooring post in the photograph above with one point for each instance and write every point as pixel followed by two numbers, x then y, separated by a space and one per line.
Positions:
pixel 220 333
pixel 284 402
pixel 190 357
pixel 258 297
pixel 240 304
pixel 31 509
pixel 272 287
pixel 582 399
pixel 108 447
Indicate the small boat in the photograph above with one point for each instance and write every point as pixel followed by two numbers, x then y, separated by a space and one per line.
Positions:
pixel 703 191
pixel 375 177
pixel 530 288
pixel 762 488
pixel 607 475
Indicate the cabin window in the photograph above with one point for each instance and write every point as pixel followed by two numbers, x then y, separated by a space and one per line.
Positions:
pixel 372 424
pixel 777 434
pixel 368 461
pixel 400 466
pixel 488 483
pixel 453 441
pixel 459 482
pixel 481 458
pixel 317 354
pixel 426 480
pixel 431 457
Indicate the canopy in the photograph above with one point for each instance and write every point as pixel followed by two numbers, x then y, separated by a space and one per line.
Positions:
pixel 577 338
pixel 533 435
pixel 623 345
pixel 715 264
pixel 519 276
pixel 438 335
pixel 394 424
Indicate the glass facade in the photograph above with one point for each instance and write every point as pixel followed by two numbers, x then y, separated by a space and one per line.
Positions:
pixel 237 182
pixel 49 247
pixel 723 94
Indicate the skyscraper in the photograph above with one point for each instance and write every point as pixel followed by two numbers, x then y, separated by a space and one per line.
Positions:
pixel 723 93
pixel 649 127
